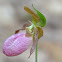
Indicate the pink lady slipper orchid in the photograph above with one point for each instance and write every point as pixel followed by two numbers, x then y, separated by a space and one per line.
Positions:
pixel 16 44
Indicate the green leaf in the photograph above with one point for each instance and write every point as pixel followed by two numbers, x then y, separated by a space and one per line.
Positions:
pixel 42 17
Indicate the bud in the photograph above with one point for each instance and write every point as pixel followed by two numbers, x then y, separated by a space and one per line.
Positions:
pixel 16 44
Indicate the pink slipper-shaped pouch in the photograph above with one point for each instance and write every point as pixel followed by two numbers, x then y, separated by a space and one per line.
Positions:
pixel 16 44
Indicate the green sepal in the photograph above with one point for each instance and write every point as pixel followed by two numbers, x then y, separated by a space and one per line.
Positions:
pixel 42 18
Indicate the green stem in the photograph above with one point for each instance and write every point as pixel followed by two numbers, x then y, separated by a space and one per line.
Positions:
pixel 36 55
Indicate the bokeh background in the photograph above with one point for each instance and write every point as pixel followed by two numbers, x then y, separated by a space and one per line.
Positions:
pixel 13 16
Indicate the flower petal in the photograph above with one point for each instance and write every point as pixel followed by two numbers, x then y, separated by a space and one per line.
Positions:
pixel 35 42
pixel 34 15
pixel 23 27
pixel 16 44
pixel 40 32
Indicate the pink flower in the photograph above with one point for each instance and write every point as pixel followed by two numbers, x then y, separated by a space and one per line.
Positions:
pixel 16 44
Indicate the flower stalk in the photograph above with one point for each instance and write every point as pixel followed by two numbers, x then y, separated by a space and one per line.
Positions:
pixel 36 53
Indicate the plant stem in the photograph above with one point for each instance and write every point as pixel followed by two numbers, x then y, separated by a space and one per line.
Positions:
pixel 36 58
